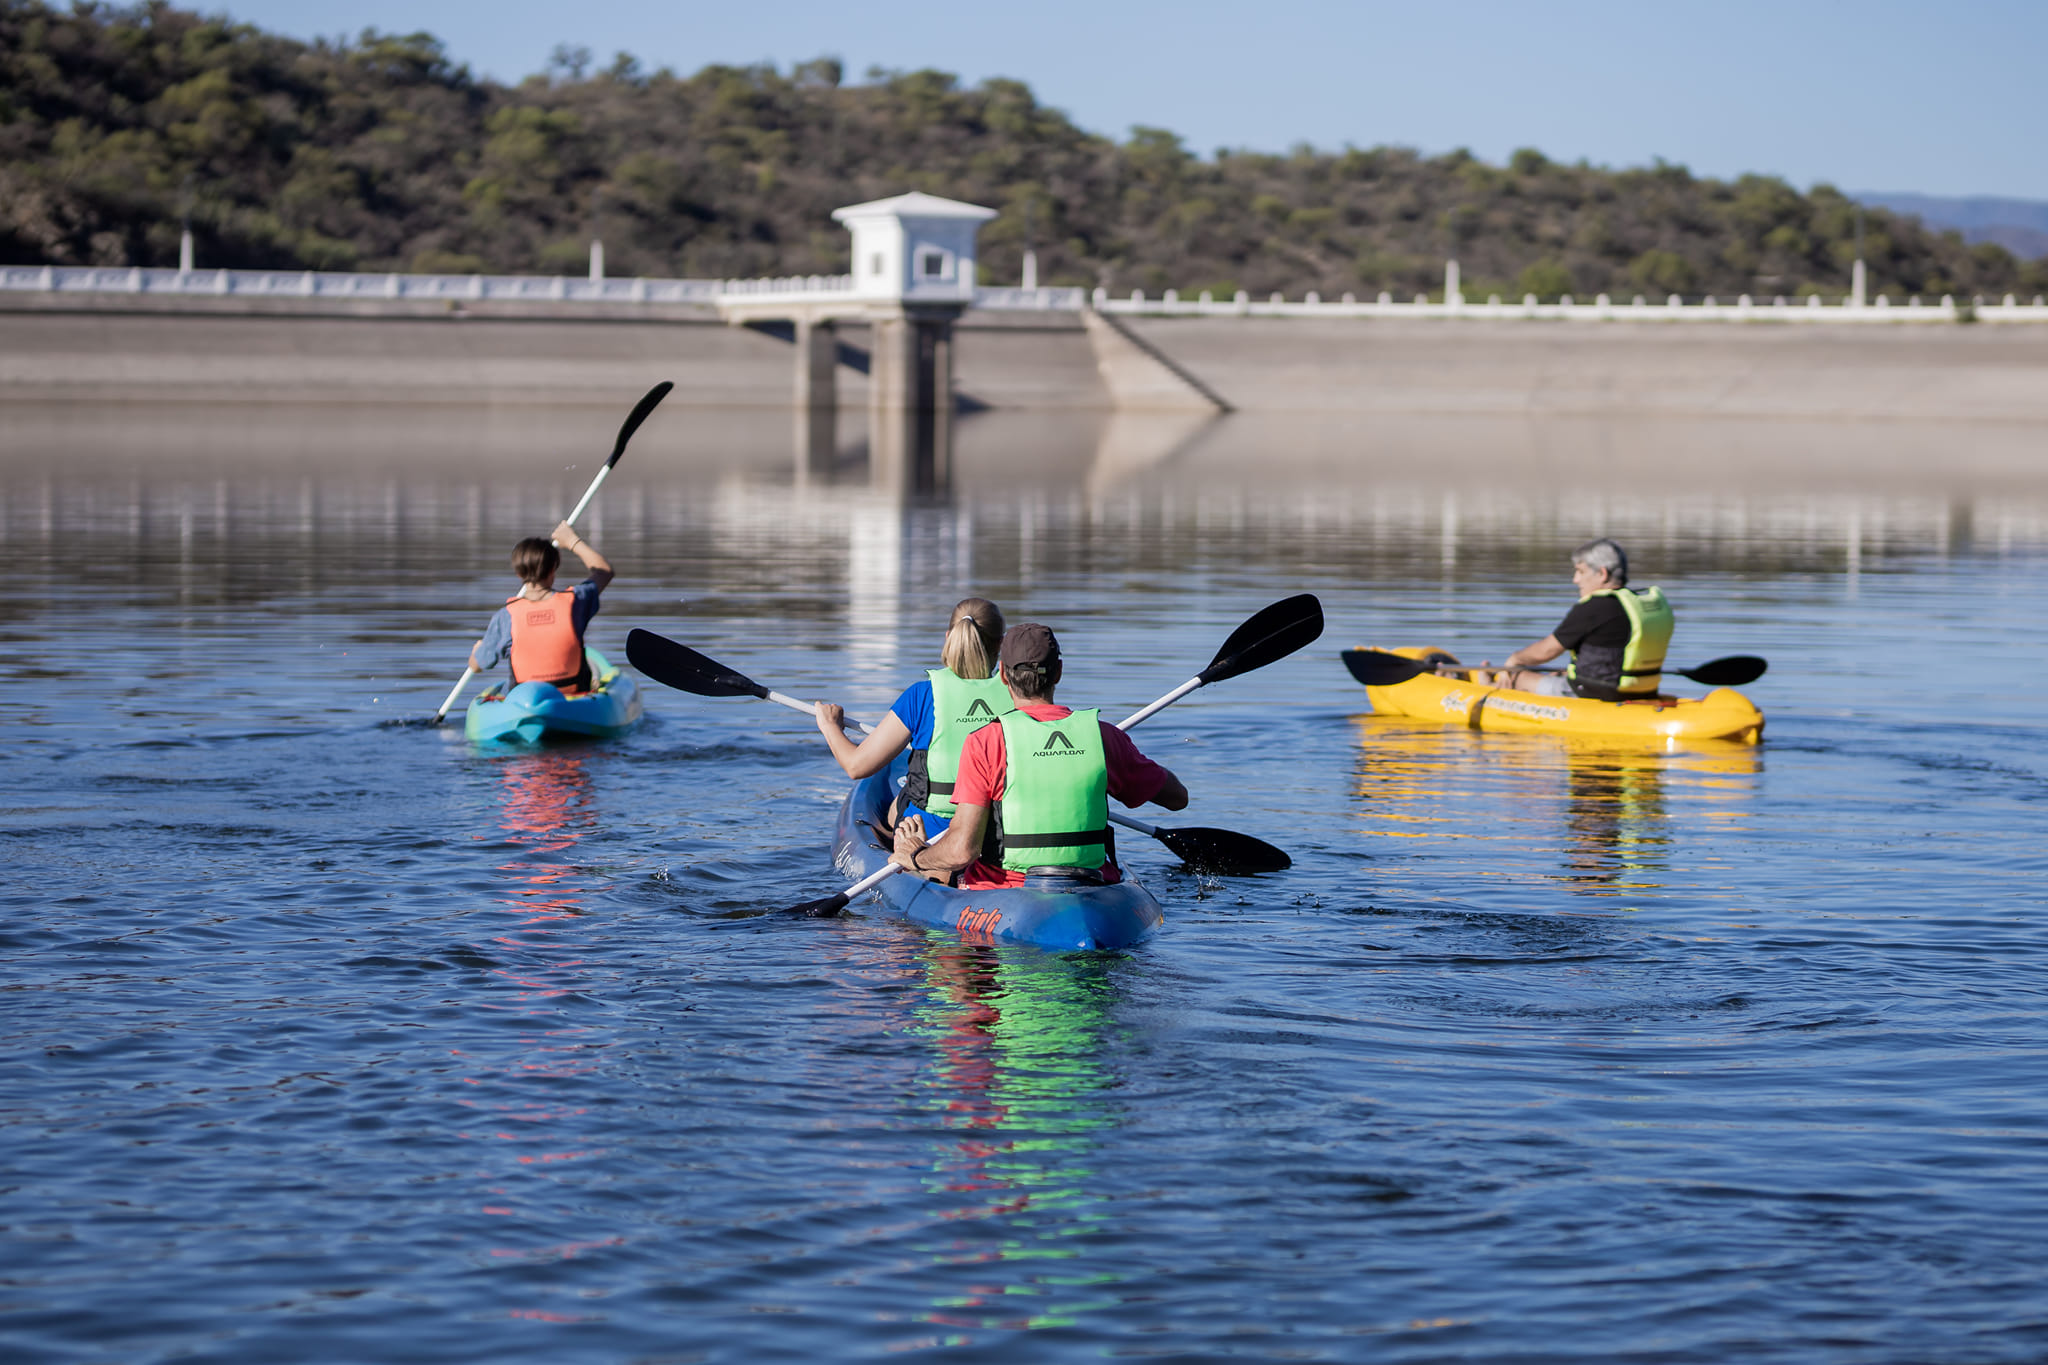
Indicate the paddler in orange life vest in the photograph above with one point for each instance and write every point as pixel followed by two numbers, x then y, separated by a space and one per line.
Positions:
pixel 1031 799
pixel 540 629
pixel 1617 637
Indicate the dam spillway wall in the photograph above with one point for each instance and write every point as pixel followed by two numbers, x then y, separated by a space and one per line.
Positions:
pixel 1766 370
pixel 275 351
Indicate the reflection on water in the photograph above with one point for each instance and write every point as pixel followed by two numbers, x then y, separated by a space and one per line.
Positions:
pixel 330 1039
pixel 548 807
pixel 1608 802
pixel 1021 1082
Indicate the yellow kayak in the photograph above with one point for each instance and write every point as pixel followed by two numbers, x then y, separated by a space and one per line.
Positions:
pixel 1668 722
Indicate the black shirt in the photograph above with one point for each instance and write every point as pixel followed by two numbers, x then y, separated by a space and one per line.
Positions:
pixel 1596 631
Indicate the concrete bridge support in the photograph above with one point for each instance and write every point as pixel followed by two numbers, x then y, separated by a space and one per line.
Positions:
pixel 817 393
pixel 910 406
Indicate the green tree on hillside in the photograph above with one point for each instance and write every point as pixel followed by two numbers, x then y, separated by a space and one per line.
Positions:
pixel 383 153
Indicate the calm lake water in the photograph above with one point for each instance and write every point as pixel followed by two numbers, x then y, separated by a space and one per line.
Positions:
pixel 329 1037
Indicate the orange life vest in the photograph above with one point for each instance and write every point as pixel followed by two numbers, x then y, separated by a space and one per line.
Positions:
pixel 545 647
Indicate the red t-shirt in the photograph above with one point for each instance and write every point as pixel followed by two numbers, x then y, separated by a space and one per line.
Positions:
pixel 984 764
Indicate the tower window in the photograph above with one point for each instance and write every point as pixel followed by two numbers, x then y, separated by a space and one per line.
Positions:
pixel 933 265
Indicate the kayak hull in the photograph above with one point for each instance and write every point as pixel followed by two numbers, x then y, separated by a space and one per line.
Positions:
pixel 533 711
pixel 1723 714
pixel 1065 919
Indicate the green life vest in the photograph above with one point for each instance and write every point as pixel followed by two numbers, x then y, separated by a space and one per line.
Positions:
pixel 1649 634
pixel 960 706
pixel 1055 806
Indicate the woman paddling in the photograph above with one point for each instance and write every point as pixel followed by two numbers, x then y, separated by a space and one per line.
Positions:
pixel 932 718
pixel 541 630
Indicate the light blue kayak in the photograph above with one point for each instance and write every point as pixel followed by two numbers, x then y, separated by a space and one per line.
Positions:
pixel 1050 913
pixel 534 711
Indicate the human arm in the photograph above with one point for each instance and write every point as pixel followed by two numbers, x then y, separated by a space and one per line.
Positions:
pixel 1135 779
pixel 872 754
pixel 1528 656
pixel 600 568
pixel 946 855
pixel 490 651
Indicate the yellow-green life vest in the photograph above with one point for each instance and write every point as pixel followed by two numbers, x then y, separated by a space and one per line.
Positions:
pixel 960 706
pixel 1054 810
pixel 1649 634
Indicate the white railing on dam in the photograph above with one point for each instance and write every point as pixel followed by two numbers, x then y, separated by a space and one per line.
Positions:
pixel 1743 308
pixel 1050 299
pixel 329 284
pixel 315 284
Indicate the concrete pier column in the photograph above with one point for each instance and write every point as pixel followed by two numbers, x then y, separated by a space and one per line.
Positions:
pixel 934 405
pixel 912 364
pixel 910 409
pixel 1453 294
pixel 817 365
pixel 1856 284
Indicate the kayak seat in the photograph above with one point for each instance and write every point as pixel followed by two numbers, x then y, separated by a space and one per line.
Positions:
pixel 1062 876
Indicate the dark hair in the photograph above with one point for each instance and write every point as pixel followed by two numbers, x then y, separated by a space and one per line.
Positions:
pixel 1032 681
pixel 534 558
pixel 972 638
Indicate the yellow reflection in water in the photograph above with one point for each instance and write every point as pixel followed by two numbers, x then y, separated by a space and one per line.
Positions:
pixel 1422 780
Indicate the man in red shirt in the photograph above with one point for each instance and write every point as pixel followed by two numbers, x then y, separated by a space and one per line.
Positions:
pixel 1029 664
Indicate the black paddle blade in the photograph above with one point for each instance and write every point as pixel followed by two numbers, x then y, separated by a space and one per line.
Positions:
pixel 679 666
pixel 1272 633
pixel 1733 671
pixel 1224 852
pixel 1378 668
pixel 824 908
pixel 637 416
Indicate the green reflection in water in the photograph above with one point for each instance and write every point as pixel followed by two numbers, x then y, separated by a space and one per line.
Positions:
pixel 1019 1078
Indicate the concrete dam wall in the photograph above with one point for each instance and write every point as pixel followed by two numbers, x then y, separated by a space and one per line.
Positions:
pixel 120 351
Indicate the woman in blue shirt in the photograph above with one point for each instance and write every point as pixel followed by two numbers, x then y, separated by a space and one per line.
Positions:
pixel 932 718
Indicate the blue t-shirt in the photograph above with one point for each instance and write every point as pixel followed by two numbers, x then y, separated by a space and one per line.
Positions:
pixel 497 643
pixel 915 709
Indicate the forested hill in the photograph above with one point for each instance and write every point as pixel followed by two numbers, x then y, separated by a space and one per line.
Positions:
pixel 385 154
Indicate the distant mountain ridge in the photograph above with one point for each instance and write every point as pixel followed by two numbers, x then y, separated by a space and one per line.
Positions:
pixel 2018 225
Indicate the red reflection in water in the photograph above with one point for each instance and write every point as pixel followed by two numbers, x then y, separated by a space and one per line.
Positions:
pixel 548 809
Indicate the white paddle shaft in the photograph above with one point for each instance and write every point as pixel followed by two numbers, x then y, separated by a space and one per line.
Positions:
pixel 588 494
pixel 1156 707
pixel 872 880
pixel 442 714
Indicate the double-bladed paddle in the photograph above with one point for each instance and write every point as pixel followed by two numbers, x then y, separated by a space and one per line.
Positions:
pixel 673 664
pixel 1380 668
pixel 1271 633
pixel 647 404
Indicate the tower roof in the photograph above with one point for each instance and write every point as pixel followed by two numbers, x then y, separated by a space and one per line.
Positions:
pixel 916 204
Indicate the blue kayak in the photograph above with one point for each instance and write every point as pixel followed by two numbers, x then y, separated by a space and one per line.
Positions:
pixel 534 711
pixel 1051 915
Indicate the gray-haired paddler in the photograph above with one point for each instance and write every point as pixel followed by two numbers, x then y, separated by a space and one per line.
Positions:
pixel 1617 637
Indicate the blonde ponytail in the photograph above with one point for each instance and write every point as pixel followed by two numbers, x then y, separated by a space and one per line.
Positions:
pixel 973 637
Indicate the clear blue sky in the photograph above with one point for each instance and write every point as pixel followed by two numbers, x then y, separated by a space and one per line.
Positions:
pixel 1939 98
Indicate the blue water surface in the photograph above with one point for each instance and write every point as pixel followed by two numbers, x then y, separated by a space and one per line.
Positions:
pixel 333 1037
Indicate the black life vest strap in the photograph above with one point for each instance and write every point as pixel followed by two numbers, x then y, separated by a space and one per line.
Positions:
pixel 916 783
pixel 1079 838
pixel 994 841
